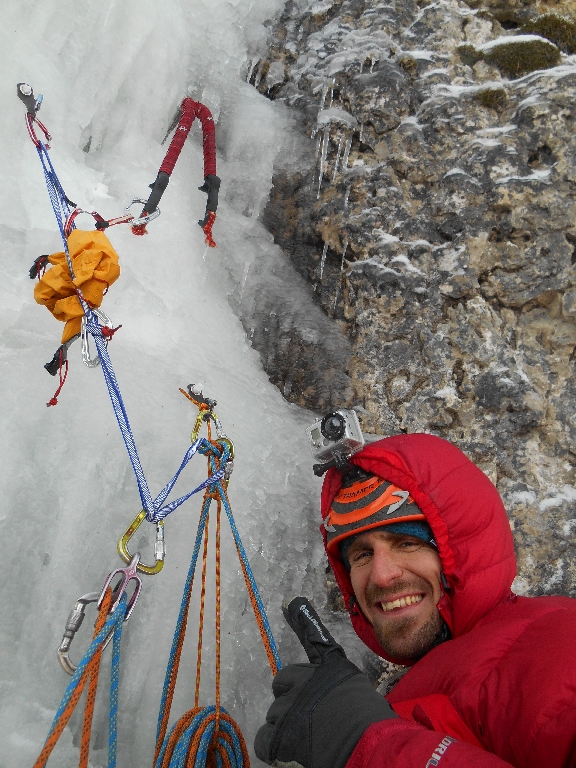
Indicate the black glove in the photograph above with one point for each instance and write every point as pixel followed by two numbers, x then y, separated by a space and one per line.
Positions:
pixel 321 709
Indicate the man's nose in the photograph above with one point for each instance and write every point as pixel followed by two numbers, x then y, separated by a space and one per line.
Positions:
pixel 385 568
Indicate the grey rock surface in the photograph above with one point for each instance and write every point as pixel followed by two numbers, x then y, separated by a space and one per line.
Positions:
pixel 437 230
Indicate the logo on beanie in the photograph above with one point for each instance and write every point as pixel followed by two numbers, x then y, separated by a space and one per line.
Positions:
pixel 366 504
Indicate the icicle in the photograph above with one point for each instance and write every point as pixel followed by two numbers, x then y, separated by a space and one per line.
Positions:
pixel 317 144
pixel 323 158
pixel 347 151
pixel 341 270
pixel 341 141
pixel 323 260
pixel 258 77
pixel 244 278
pixel 346 196
pixel 324 94
pixel 331 93
pixel 361 67
pixel 252 65
pixel 361 132
pixel 372 62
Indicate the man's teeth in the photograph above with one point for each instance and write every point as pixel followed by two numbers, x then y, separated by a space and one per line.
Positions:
pixel 402 602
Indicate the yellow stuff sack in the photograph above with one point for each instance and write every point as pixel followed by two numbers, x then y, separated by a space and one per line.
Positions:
pixel 95 265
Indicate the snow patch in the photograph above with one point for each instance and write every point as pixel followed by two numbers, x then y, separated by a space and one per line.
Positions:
pixel 522 497
pixel 565 494
pixel 336 115
pixel 512 40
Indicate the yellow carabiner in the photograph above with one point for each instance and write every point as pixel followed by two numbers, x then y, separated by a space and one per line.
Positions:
pixel 159 548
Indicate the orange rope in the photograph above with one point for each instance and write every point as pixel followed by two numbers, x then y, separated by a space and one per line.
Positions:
pixel 52 740
pixel 265 641
pixel 181 726
pixel 171 687
pixel 218 509
pixel 201 619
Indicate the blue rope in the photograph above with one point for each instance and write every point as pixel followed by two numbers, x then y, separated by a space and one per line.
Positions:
pixel 60 205
pixel 205 722
pixel 180 753
pixel 114 686
pixel 181 618
pixel 251 579
pixel 111 622
pixel 154 509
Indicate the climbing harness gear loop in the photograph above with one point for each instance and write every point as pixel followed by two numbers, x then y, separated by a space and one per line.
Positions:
pixel 159 545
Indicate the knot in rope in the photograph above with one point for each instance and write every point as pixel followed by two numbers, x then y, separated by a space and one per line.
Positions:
pixel 108 333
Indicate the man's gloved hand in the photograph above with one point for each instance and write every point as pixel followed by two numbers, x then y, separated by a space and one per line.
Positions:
pixel 321 709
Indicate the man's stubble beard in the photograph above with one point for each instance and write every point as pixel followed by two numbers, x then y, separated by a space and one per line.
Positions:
pixel 398 637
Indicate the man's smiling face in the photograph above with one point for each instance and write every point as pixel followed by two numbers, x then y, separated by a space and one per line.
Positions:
pixel 396 581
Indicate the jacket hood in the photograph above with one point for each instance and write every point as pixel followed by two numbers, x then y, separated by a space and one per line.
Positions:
pixel 467 518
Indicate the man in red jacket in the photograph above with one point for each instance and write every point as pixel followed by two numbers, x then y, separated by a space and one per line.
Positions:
pixel 421 547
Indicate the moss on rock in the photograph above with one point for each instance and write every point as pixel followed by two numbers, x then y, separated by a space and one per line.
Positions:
pixel 514 56
pixel 518 57
pixel 469 54
pixel 492 98
pixel 558 29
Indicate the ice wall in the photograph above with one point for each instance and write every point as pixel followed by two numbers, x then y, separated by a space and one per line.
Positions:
pixel 112 73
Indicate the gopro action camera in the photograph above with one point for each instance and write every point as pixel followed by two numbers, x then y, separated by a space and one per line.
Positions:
pixel 334 438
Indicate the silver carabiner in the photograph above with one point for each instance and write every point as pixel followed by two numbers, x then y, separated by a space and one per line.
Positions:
pixel 76 616
pixel 105 321
pixel 73 624
pixel 143 219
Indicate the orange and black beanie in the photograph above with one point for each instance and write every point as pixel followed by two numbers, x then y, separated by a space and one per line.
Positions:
pixel 366 501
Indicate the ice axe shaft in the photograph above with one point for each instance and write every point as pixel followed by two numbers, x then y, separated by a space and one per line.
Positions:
pixel 315 638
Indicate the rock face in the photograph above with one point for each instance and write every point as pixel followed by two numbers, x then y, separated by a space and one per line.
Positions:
pixel 438 232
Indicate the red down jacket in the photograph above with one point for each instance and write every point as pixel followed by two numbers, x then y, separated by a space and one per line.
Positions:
pixel 503 691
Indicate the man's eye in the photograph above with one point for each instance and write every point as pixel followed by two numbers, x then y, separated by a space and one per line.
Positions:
pixel 411 545
pixel 360 557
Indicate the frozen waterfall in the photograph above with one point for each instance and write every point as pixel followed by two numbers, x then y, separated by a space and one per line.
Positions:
pixel 112 74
